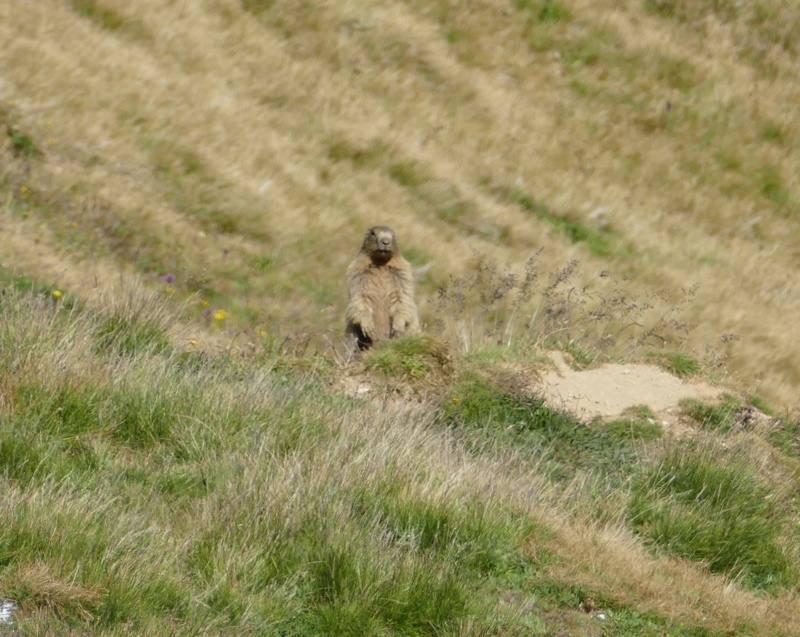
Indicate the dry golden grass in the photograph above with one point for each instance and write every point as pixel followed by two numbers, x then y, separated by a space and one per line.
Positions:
pixel 203 139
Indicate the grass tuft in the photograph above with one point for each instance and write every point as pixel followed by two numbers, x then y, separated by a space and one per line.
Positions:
pixel 720 417
pixel 545 11
pixel 127 336
pixel 35 586
pixel 413 357
pixel 693 506
pixel 22 145
pixel 406 174
pixel 366 157
pixel 676 363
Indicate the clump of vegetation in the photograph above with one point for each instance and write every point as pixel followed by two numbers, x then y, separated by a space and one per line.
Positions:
pixel 692 505
pixel 544 10
pixel 785 435
pixel 108 18
pixel 487 414
pixel 317 366
pixel 596 319
pixel 341 149
pixel 22 145
pixel 256 7
pixel 637 423
pixel 413 358
pixel 676 363
pixel 718 417
pixel 123 335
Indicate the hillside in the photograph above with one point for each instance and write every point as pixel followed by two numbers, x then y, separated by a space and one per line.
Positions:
pixel 188 446
pixel 244 147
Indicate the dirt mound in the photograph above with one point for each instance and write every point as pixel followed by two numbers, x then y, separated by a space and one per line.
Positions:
pixel 609 390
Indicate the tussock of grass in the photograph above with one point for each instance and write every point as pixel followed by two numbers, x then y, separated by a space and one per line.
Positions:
pixel 676 363
pixel 123 336
pixel 694 506
pixel 414 358
pixel 722 416
pixel 634 429
pixel 22 144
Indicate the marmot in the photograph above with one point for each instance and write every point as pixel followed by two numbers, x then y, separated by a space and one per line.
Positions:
pixel 380 287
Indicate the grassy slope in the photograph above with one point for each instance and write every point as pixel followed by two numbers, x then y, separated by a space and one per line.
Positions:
pixel 246 150
pixel 242 147
pixel 149 491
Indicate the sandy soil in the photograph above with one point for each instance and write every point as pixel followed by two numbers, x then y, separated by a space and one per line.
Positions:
pixel 609 390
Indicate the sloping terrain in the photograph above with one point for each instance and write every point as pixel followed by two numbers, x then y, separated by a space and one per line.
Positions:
pixel 187 446
pixel 244 147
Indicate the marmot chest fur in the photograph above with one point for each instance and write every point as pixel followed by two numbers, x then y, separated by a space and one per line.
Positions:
pixel 380 291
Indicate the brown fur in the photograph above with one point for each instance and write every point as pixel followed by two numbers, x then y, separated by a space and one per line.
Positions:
pixel 380 286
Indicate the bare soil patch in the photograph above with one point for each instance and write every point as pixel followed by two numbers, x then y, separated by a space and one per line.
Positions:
pixel 609 390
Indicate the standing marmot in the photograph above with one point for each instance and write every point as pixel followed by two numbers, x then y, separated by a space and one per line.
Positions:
pixel 380 287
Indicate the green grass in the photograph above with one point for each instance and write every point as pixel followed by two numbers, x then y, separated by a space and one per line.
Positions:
pixel 602 241
pixel 107 18
pixel 122 335
pixel 774 133
pixel 406 173
pixel 22 144
pixel 490 416
pixel 769 183
pixel 256 7
pixel 361 157
pixel 633 429
pixel 721 514
pixel 720 416
pixel 145 490
pixel 676 363
pixel 413 357
pixel 786 436
pixel 544 11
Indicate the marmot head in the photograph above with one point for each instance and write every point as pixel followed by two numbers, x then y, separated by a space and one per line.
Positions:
pixel 379 244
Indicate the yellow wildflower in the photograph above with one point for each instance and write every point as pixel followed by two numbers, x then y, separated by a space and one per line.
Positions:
pixel 220 315
pixel 57 294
